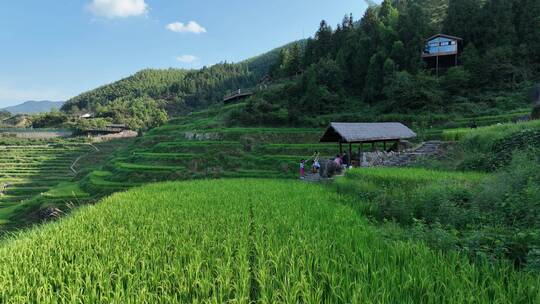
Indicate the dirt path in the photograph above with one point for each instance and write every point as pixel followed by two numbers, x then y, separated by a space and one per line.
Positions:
pixel 72 167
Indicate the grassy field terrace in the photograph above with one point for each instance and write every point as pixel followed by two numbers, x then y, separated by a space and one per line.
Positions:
pixel 35 174
pixel 31 170
pixel 200 145
pixel 172 152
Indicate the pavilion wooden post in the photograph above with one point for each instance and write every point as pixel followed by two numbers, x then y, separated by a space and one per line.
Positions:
pixel 360 154
pixel 373 146
pixel 384 145
pixel 340 148
pixel 398 145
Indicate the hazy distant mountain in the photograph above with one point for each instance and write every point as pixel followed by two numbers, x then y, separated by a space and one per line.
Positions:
pixel 33 107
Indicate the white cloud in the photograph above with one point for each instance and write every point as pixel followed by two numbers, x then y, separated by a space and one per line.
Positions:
pixel 118 8
pixel 187 58
pixel 190 27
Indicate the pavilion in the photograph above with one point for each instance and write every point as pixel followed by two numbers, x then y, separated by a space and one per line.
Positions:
pixel 366 133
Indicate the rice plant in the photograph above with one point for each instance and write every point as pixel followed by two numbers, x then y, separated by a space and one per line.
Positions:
pixel 238 241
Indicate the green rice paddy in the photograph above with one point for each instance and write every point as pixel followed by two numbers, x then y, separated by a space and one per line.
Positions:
pixel 238 241
pixel 29 170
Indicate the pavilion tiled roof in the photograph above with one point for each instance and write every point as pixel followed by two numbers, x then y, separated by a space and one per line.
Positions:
pixel 366 132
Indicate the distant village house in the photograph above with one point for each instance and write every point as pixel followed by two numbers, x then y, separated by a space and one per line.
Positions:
pixel 236 96
pixel 441 52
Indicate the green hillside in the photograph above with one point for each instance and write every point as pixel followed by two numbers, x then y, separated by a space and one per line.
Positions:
pixel 373 67
pixel 176 91
pixel 370 67
pixel 241 241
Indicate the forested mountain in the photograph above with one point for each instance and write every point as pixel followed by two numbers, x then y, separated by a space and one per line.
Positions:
pixel 371 66
pixel 33 107
pixel 173 89
pixel 176 90
pixel 375 63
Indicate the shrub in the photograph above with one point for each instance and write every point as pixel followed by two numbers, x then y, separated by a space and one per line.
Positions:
pixel 512 196
pixel 52 119
pixel 485 216
pixel 536 112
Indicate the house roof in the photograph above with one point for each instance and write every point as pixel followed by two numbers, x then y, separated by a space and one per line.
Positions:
pixel 366 132
pixel 87 115
pixel 444 36
pixel 236 96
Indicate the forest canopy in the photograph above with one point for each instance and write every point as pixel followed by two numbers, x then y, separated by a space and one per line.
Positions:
pixel 375 63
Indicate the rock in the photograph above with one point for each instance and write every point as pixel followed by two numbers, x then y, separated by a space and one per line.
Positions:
pixel 201 136
pixel 395 159
pixel 329 168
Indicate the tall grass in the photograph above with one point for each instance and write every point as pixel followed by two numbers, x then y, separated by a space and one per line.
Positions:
pixel 238 241
pixel 490 132
pixel 484 216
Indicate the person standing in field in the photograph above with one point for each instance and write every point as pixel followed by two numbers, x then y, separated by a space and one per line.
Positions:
pixel 338 160
pixel 316 164
pixel 302 168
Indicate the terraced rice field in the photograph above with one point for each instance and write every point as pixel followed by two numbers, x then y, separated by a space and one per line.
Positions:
pixel 27 171
pixel 199 146
pixel 174 152
pixel 239 241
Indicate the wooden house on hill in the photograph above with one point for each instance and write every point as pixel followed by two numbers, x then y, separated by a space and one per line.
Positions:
pixel 441 52
pixel 236 96
pixel 107 130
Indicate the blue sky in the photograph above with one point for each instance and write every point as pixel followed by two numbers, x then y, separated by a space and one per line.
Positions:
pixel 56 49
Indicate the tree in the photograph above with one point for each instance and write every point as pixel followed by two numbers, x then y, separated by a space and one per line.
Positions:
pixel 136 113
pixel 389 68
pixel 53 119
pixel 398 54
pixel 413 30
pixel 497 24
pixel 292 61
pixel 498 67
pixel 456 81
pixel 388 14
pixel 329 75
pixel 4 114
pixel 370 24
pixel 527 22
pixel 473 64
pixel 407 92
pixel 463 20
pixel 323 41
pixel 374 78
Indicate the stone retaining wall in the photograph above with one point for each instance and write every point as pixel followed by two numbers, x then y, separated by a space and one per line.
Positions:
pixel 377 158
pixel 37 134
